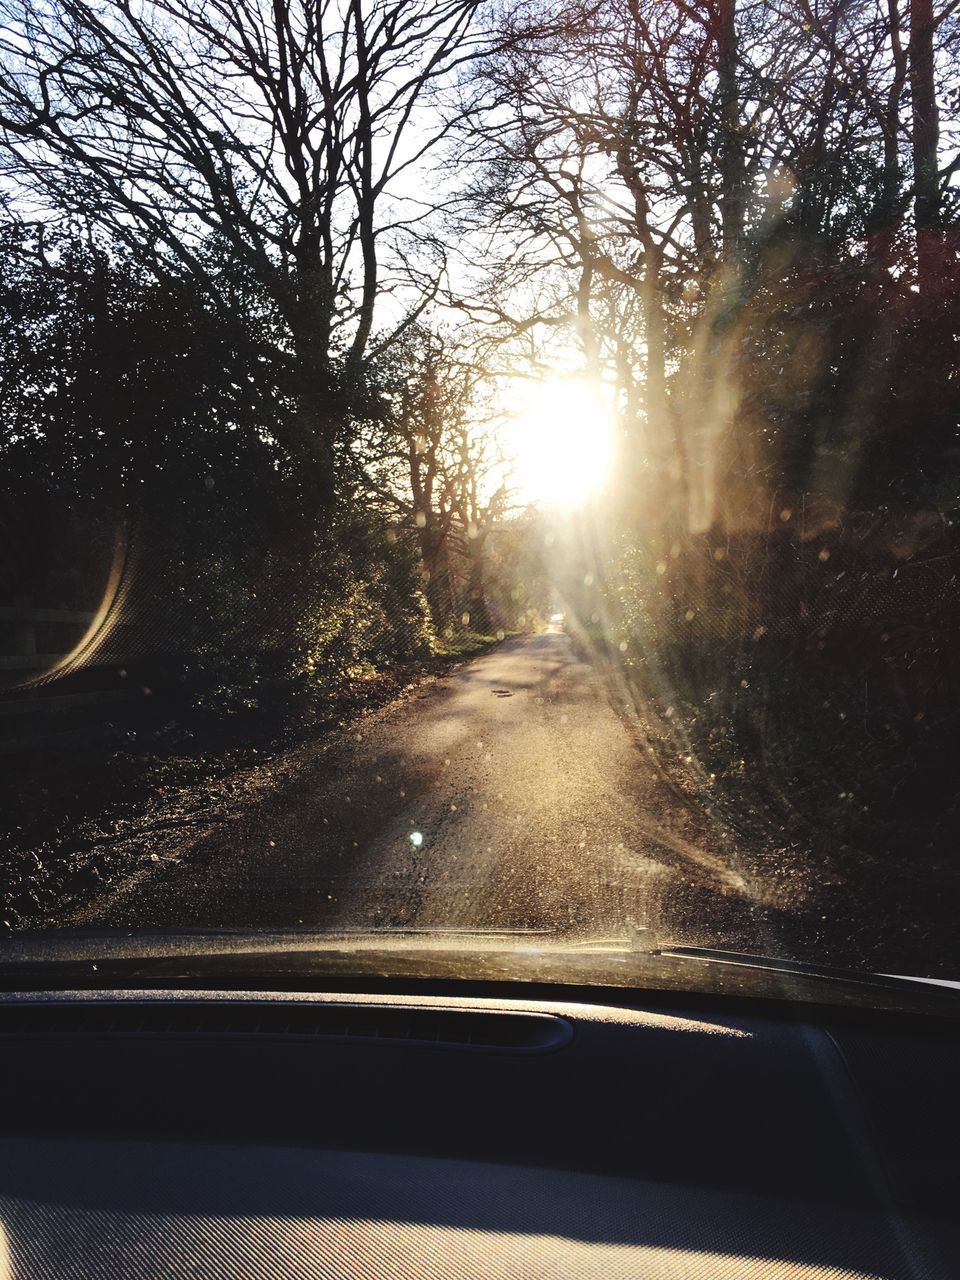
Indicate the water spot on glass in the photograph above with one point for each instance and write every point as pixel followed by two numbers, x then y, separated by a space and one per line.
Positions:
pixel 588 579
pixel 823 554
pixel 420 520
pixel 690 615
pixel 416 839
pixel 661 567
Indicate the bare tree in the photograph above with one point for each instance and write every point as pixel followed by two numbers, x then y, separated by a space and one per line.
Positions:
pixel 664 175
pixel 433 459
pixel 289 132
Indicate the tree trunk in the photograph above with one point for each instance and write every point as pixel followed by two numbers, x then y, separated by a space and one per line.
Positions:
pixel 476 588
pixel 732 187
pixel 315 418
pixel 885 214
pixel 925 139
pixel 433 556
pixel 313 443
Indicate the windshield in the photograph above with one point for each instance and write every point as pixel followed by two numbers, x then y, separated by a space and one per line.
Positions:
pixel 483 472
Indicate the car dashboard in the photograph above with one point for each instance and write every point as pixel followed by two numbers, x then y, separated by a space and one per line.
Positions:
pixel 224 1134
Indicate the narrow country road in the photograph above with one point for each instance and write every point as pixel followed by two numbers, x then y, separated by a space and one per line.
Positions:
pixel 508 794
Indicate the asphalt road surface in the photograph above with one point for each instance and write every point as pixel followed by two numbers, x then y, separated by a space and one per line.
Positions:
pixel 509 794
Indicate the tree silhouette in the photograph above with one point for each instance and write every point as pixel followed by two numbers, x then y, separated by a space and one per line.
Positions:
pixel 290 132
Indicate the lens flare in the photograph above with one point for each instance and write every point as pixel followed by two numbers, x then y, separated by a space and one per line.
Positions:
pixel 560 441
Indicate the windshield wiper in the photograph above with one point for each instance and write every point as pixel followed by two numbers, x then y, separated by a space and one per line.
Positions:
pixel 798 968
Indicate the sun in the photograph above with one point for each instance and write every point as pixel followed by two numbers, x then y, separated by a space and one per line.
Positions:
pixel 559 439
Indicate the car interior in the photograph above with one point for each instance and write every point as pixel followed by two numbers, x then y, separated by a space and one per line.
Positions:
pixel 392 1127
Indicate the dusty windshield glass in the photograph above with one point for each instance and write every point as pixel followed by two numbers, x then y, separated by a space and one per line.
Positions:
pixel 483 468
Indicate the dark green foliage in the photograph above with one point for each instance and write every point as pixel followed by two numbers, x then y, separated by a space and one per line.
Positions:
pixel 141 429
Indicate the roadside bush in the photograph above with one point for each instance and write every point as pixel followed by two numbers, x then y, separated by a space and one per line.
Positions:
pixel 817 680
pixel 364 610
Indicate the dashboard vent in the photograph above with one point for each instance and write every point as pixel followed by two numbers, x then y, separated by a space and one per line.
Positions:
pixel 451 1028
